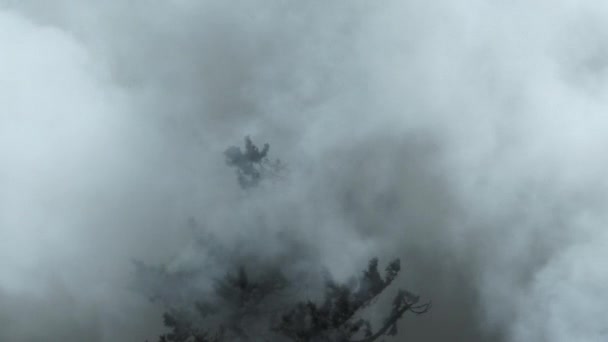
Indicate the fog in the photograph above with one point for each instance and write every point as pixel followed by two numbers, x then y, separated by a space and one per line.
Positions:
pixel 465 138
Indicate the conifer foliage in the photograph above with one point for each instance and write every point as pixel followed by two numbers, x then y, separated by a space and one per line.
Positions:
pixel 262 304
pixel 335 319
pixel 252 164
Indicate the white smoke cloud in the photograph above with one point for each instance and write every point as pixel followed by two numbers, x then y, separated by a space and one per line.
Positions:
pixel 466 138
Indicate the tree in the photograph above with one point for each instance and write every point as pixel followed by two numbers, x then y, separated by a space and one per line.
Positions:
pixel 264 305
pixel 236 305
pixel 239 303
pixel 335 320
pixel 252 165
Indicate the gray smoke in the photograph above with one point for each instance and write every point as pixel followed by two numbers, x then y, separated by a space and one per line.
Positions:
pixel 466 139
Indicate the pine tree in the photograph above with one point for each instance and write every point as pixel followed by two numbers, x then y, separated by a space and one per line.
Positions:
pixel 261 305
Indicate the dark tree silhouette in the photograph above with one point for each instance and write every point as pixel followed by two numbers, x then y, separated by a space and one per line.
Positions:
pixel 252 165
pixel 264 305
pixel 239 306
pixel 335 319
pixel 234 307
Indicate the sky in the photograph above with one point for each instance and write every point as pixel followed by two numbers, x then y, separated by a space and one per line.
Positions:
pixel 465 138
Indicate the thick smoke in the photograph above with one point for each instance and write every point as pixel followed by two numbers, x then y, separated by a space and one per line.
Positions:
pixel 466 139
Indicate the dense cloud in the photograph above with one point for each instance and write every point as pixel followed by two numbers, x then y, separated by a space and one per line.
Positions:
pixel 466 139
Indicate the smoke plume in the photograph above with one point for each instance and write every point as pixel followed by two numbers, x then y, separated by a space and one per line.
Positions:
pixel 466 139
